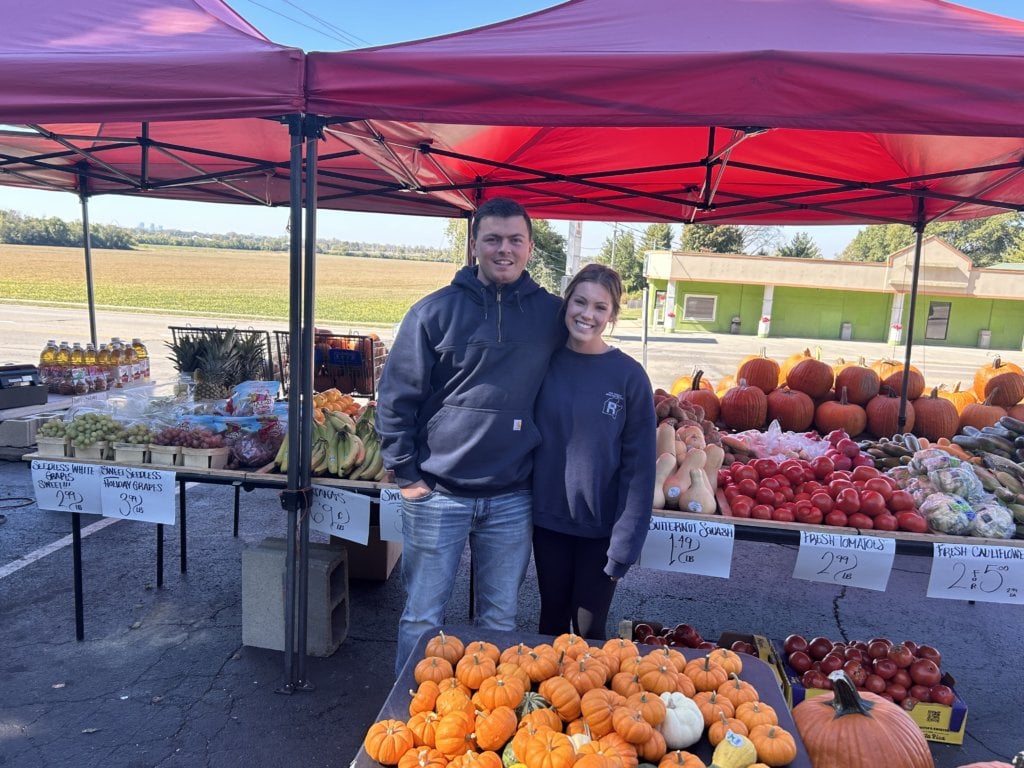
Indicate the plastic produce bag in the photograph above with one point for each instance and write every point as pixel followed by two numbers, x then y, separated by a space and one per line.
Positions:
pixel 254 440
pixel 947 513
pixel 993 521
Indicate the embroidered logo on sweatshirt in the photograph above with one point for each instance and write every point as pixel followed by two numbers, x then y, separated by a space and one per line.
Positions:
pixel 517 425
pixel 613 404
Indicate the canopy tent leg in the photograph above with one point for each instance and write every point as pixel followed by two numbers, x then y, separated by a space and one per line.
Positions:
pixel 83 196
pixel 918 242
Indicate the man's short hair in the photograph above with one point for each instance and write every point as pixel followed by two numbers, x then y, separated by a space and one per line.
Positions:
pixel 501 208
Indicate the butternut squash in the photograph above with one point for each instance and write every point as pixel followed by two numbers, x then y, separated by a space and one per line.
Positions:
pixel 680 479
pixel 665 438
pixel 698 497
pixel 664 467
pixel 716 456
pixel 692 436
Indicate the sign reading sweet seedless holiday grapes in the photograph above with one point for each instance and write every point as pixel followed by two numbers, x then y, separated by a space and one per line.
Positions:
pixel 130 493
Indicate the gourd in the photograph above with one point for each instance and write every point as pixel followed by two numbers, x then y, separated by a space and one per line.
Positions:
pixel 935 417
pixel 793 409
pixel 736 751
pixel 679 481
pixel 683 724
pixel 1006 377
pixel 861 382
pixel 699 497
pixel 859 730
pixel 840 414
pixel 759 371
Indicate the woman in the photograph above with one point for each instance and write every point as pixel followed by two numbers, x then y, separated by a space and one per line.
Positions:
pixel 593 477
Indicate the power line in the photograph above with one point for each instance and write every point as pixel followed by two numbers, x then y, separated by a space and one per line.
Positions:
pixel 348 40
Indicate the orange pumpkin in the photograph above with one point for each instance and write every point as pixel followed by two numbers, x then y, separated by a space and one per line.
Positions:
pixel 679 758
pixel 775 746
pixel 473 759
pixel 493 729
pixel 960 400
pixel 1006 377
pixel 563 697
pixel 585 673
pixel 706 674
pixel 840 414
pixel 759 371
pixel 453 735
pixel 811 376
pixel 731 661
pixel 546 717
pixel 791 361
pixel 423 757
pixel 859 730
pixel 549 749
pixel 981 415
pixel 432 668
pixel 738 691
pixel 890 373
pixel 658 677
pixel 424 728
pixel 446 646
pixel 652 750
pixel 754 713
pixel 596 706
pixel 627 683
pixel 424 697
pixel 712 706
pixel 629 723
pixel 935 417
pixel 862 383
pixel 387 740
pixel 793 409
pixel 651 706
pixel 744 407
pixel 700 393
pixel 498 691
pixel 484 648
pixel 540 664
pixel 717 730
pixel 474 668
pixel 883 412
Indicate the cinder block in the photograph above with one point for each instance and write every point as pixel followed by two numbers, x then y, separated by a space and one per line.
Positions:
pixel 19 432
pixel 263 597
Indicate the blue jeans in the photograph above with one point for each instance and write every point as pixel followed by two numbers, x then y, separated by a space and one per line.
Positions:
pixel 434 533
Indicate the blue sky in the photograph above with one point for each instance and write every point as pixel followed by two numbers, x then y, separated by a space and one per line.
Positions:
pixel 341 24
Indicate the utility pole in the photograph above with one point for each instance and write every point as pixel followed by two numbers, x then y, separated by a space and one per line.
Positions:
pixel 572 260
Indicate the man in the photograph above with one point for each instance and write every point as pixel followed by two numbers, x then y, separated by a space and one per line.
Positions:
pixel 455 416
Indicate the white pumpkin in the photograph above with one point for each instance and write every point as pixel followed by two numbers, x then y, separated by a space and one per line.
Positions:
pixel 683 724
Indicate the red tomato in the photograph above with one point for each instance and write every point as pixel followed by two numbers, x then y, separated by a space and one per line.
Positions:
pixel 925 672
pixel 765 467
pixel 771 482
pixel 747 487
pixel 848 500
pixel 730 492
pixel 872 503
pixel 764 496
pixel 761 512
pixel 809 515
pixel 822 501
pixel 865 473
pixel 901 501
pixel 741 506
pixel 782 480
pixel 879 485
pixel 836 517
pixel 860 520
pixel 802 496
pixel 886 522
pixel 842 462
pixel 724 478
pixel 822 466
pixel 783 515
pixel 786 493
pixel 942 694
pixel 793 470
pixel 742 472
pixel 913 522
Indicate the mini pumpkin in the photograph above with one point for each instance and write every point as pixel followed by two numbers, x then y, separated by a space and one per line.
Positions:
pixel 775 745
pixel 494 728
pixel 754 713
pixel 718 729
pixel 433 668
pixel 497 691
pixel 445 646
pixel 387 740
pixel 424 697
pixel 597 706
pixel 549 749
pixel 453 735
pixel 423 757
pixel 474 668
pixel 679 758
pixel 706 674
pixel 563 697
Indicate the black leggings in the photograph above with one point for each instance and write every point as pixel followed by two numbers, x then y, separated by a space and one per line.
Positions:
pixel 574 589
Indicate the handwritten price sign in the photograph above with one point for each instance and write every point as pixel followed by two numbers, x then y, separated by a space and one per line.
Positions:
pixel 63 486
pixel 689 546
pixel 129 493
pixel 839 558
pixel 340 513
pixel 390 514
pixel 977 572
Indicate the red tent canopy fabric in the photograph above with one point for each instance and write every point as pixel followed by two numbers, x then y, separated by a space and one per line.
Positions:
pixel 147 60
pixel 773 111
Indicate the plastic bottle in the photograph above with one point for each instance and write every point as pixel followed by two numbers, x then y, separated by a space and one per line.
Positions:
pixel 117 366
pixel 97 376
pixel 47 365
pixel 131 362
pixel 78 372
pixel 143 355
pixel 106 366
pixel 62 370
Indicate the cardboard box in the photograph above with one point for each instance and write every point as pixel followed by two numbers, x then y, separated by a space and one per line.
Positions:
pixel 373 561
pixel 938 723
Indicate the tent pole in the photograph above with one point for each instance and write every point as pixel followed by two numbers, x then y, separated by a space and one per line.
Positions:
pixel 918 242
pixel 294 494
pixel 83 196
pixel 643 323
pixel 312 133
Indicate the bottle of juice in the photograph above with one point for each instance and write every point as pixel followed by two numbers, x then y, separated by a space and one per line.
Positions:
pixel 117 365
pixel 47 363
pixel 131 360
pixel 63 369
pixel 79 374
pixel 104 363
pixel 97 376
pixel 143 355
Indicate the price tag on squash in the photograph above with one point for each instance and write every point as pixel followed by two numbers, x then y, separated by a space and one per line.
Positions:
pixel 65 486
pixel 846 559
pixel 129 493
pixel 990 574
pixel 690 546
pixel 390 514
pixel 340 513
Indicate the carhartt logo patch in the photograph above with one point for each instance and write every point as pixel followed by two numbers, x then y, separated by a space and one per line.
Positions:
pixel 517 425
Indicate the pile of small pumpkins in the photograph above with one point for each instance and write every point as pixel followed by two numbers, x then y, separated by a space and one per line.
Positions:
pixel 570 704
pixel 804 392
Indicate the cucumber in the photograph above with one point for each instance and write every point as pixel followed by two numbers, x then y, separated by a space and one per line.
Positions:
pixel 970 431
pixel 991 442
pixel 1012 424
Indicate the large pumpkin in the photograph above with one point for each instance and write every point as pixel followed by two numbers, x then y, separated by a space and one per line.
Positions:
pixel 759 371
pixel 859 730
pixel 1006 377
pixel 744 407
pixel 812 376
pixel 840 414
pixel 883 412
pixel 700 393
pixel 890 372
pixel 789 362
pixel 935 417
pixel 793 409
pixel 862 383
pixel 959 399
pixel 981 415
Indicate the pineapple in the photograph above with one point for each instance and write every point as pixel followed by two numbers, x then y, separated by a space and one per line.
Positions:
pixel 217 364
pixel 252 357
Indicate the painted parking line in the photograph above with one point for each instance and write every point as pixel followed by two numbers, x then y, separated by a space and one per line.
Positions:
pixel 49 549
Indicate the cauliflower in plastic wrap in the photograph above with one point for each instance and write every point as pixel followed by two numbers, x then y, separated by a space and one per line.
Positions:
pixel 947 513
pixel 993 521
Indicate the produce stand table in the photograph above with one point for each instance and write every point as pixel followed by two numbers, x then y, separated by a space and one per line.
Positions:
pixel 756 672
